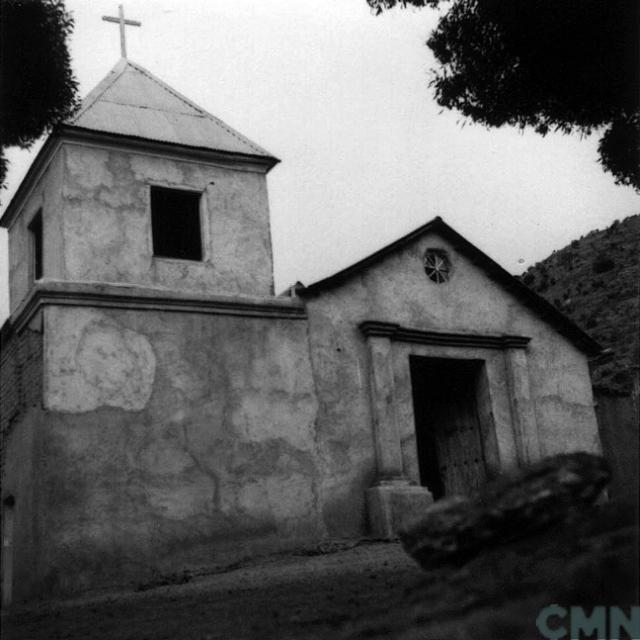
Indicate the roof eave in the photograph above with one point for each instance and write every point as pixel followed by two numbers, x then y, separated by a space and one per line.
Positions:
pixel 344 274
pixel 542 307
pixel 66 132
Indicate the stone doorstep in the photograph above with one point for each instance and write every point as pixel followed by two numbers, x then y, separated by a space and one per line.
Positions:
pixel 392 504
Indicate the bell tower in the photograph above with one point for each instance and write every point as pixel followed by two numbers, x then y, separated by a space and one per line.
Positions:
pixel 143 187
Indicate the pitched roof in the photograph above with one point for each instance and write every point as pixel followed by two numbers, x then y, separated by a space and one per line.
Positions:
pixel 131 101
pixel 132 105
pixel 529 298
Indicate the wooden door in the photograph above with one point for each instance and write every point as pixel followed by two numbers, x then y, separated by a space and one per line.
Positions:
pixel 458 445
pixel 448 436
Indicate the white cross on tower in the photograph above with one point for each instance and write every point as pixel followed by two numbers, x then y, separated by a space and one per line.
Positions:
pixel 120 19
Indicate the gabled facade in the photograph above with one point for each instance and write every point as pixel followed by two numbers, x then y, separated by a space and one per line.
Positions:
pixel 162 409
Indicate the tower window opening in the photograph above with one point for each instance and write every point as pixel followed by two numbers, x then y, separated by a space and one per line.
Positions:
pixel 35 231
pixel 175 223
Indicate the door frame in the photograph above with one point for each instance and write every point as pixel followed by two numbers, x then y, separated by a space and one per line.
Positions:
pixel 423 370
pixel 507 411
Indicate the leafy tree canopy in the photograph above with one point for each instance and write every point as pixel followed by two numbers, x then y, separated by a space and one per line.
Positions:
pixel 36 81
pixel 554 65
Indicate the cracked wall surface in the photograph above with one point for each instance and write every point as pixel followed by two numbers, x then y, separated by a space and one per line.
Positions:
pixel 173 439
pixel 94 361
pixel 107 223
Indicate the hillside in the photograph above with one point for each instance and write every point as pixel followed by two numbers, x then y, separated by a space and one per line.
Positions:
pixel 596 282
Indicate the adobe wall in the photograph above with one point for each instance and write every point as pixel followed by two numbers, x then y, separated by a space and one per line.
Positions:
pixel 173 440
pixel 396 290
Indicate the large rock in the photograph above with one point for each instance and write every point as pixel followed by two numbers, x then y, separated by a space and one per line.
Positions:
pixel 513 506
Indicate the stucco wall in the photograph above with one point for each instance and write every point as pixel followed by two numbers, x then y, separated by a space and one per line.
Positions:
pixel 344 434
pixel 107 223
pixel 174 440
pixel 396 290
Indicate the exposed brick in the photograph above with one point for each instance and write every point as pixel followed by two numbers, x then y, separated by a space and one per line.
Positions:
pixel 20 379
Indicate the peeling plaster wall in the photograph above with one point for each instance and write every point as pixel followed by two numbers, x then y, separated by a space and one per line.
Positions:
pixel 107 223
pixel 397 290
pixel 46 195
pixel 173 440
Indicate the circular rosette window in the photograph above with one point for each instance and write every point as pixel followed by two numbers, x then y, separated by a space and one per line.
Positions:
pixel 437 265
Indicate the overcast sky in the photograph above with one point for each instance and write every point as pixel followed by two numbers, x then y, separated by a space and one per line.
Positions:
pixel 342 98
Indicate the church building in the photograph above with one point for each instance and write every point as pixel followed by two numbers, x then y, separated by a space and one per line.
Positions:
pixel 162 408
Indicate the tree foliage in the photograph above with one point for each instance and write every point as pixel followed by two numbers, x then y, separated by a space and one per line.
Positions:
pixel 554 65
pixel 37 85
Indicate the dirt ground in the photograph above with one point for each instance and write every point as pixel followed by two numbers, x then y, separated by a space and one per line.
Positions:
pixel 365 590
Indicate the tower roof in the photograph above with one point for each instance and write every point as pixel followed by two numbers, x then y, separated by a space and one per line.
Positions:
pixel 131 101
pixel 132 105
